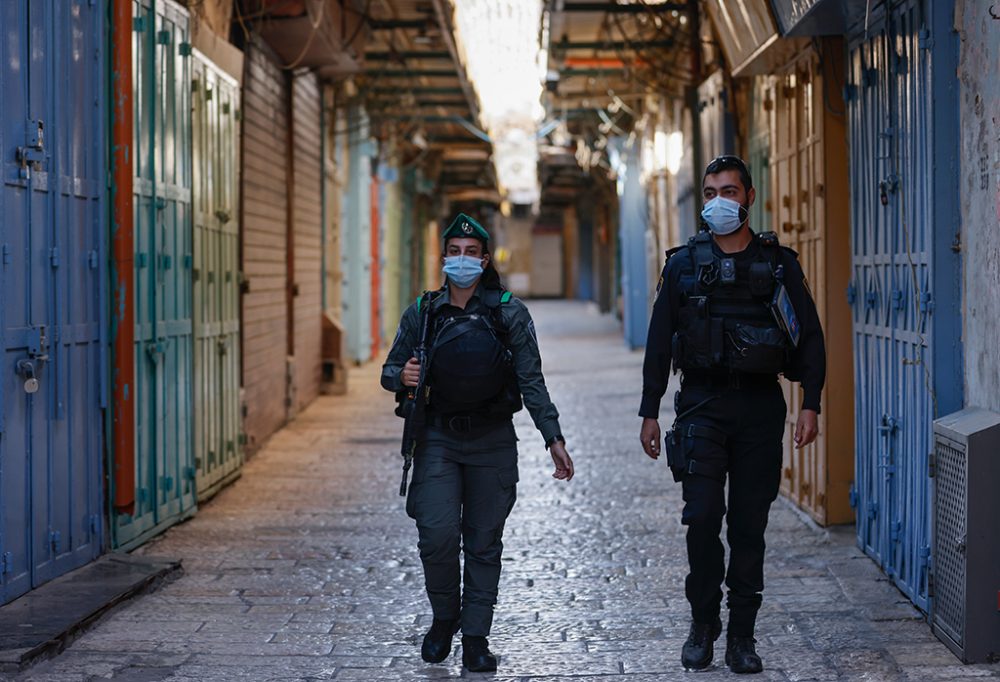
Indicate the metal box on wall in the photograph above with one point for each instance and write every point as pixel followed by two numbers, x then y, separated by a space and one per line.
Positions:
pixel 965 553
pixel 809 196
pixel 165 473
pixel 218 451
pixel 53 272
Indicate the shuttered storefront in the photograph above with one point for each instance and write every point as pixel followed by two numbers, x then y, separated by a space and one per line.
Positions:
pixel 306 276
pixel 52 278
pixel 809 172
pixel 165 473
pixel 215 198
pixel 264 244
pixel 905 289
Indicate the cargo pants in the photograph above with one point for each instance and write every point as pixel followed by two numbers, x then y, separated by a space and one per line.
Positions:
pixel 738 436
pixel 464 487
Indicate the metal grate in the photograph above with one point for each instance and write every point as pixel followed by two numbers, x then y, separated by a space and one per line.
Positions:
pixel 950 534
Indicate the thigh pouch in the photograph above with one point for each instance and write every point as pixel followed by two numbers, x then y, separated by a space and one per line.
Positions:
pixel 682 448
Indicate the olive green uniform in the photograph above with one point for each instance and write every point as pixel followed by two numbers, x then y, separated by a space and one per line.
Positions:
pixel 465 473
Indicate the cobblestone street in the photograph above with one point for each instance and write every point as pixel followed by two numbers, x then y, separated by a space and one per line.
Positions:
pixel 306 568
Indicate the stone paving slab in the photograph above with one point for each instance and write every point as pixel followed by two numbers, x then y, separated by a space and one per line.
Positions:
pixel 306 568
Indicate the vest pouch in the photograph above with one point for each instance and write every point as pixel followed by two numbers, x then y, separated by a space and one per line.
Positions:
pixel 760 350
pixel 699 340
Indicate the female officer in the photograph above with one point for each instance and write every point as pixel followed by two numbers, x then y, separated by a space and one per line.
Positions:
pixel 482 361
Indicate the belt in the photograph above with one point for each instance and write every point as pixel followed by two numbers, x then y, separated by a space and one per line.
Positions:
pixel 464 423
pixel 710 379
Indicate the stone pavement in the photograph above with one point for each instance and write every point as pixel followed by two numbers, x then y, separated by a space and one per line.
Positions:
pixel 306 568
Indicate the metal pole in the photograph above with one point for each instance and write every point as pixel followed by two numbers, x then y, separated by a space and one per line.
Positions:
pixel 123 271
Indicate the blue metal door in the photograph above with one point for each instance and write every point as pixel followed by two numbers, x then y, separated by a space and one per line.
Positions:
pixel 901 313
pixel 165 472
pixel 52 317
pixel 633 221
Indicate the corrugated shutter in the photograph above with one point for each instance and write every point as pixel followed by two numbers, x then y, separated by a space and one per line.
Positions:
pixel 307 236
pixel 264 244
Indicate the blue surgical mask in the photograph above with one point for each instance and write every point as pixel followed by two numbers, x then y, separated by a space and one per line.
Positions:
pixel 724 216
pixel 463 271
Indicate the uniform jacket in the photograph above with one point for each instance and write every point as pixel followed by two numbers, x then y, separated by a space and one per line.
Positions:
pixel 808 360
pixel 523 345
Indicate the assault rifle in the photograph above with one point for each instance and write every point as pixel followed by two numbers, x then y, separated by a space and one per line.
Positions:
pixel 415 402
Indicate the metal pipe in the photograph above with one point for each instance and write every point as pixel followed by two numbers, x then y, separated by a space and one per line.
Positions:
pixel 122 270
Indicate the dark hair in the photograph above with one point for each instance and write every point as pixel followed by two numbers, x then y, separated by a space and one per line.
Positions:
pixel 490 278
pixel 730 162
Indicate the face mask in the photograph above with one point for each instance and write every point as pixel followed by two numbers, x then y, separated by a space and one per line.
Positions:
pixel 723 215
pixel 462 270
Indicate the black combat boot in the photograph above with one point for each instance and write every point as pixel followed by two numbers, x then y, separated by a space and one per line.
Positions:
pixel 698 649
pixel 741 656
pixel 476 655
pixel 437 641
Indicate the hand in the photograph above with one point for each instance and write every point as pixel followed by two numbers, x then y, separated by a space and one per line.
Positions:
pixel 806 429
pixel 564 465
pixel 411 373
pixel 649 435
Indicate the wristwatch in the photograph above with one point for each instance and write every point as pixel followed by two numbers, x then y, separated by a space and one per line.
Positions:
pixel 551 441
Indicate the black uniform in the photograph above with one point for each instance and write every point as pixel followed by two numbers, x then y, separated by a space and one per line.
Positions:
pixel 713 319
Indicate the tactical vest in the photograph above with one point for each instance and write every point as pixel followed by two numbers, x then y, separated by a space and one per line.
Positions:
pixel 725 321
pixel 470 365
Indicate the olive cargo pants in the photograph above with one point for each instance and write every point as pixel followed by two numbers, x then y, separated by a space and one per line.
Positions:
pixel 746 426
pixel 463 489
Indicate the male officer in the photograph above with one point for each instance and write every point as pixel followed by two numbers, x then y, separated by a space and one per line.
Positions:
pixel 482 364
pixel 732 312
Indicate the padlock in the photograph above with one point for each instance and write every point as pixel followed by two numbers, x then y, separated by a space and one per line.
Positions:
pixel 31 385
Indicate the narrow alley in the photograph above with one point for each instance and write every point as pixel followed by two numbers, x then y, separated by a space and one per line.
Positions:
pixel 306 568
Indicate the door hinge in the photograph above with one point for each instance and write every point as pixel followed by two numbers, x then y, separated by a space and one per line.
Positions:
pixel 92 260
pixel 930 584
pixel 139 24
pixel 896 532
pixel 873 510
pixel 924 40
pixel 54 257
pixel 6 254
pixel 184 49
pixel 166 483
pixel 95 524
pixel 163 37
pixel 189 473
pixel 931 465
pixel 6 562
pixel 852 497
pixel 852 294
pixel 926 302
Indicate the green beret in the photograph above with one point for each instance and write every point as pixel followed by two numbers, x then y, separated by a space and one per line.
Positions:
pixel 465 226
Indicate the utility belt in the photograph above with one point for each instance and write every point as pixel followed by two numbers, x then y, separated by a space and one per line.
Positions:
pixel 723 379
pixel 466 423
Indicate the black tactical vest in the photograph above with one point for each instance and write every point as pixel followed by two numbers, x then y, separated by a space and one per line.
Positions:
pixel 471 367
pixel 725 321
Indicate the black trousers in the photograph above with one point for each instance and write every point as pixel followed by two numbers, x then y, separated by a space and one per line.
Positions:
pixel 751 422
pixel 464 487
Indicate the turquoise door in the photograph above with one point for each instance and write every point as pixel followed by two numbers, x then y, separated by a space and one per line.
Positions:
pixel 165 473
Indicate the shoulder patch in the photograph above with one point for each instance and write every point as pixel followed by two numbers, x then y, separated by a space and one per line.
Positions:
pixel 506 297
